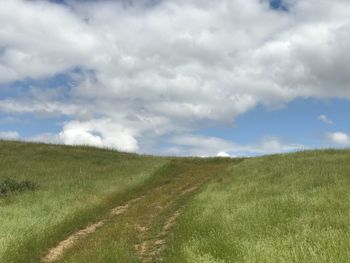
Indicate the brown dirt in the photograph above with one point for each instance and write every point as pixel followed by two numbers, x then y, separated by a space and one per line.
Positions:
pixel 171 221
pixel 56 252
pixel 148 250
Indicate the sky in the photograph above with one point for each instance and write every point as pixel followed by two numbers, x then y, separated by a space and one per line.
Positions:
pixel 180 77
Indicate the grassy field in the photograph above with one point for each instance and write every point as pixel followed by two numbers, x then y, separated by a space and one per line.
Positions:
pixel 141 234
pixel 281 208
pixel 74 186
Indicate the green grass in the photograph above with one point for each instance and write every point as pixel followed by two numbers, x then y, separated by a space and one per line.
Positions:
pixel 74 186
pixel 9 185
pixel 115 241
pixel 282 208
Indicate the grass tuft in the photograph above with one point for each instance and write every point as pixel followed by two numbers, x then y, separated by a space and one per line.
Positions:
pixel 10 185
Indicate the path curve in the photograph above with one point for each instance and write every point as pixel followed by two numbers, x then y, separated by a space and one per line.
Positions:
pixel 152 215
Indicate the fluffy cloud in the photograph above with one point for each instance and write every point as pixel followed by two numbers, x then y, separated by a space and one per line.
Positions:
pixel 157 68
pixel 223 154
pixel 98 133
pixel 339 138
pixel 41 39
pixel 101 133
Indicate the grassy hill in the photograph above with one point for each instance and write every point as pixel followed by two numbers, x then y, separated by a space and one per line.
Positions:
pixel 80 204
pixel 281 208
pixel 74 186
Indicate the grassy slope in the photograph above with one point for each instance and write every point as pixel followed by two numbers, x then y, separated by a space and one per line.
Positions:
pixel 284 208
pixel 143 226
pixel 76 184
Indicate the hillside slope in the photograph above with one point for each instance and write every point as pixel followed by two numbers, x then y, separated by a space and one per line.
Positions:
pixel 75 185
pixel 95 205
pixel 281 208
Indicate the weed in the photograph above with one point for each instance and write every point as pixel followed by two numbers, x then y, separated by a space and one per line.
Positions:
pixel 9 185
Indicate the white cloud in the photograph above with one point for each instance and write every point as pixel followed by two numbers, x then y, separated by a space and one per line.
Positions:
pixel 339 138
pixel 170 68
pixel 100 133
pixel 45 138
pixel 9 135
pixel 325 119
pixel 41 39
pixel 274 145
pixel 193 145
pixel 223 154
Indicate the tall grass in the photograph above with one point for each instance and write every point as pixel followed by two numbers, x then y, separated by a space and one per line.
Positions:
pixel 281 208
pixel 286 208
pixel 115 241
pixel 74 185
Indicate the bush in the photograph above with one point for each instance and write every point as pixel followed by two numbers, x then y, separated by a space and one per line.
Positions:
pixel 10 185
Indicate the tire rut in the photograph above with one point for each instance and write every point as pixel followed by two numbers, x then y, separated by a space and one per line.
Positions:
pixel 150 217
pixel 57 252
pixel 149 249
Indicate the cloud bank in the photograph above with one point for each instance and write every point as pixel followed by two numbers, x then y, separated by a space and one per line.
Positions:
pixel 9 135
pixel 339 138
pixel 194 145
pixel 168 68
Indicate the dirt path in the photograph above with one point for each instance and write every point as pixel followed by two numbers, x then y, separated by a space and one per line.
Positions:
pixel 150 217
pixel 57 252
pixel 151 246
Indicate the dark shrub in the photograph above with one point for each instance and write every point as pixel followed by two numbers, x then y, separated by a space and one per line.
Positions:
pixel 10 185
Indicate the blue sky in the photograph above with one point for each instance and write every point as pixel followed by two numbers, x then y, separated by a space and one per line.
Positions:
pixel 296 122
pixel 182 78
pixel 278 5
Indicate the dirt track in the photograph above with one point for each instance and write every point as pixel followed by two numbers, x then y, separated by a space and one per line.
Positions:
pixel 152 214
